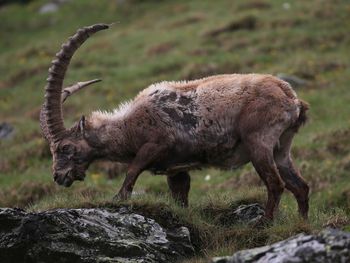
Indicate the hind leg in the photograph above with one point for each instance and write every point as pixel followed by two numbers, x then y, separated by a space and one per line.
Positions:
pixel 179 185
pixel 290 175
pixel 261 156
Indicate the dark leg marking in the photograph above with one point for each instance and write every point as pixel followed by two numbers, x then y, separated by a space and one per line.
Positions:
pixel 179 185
pixel 297 185
pixel 261 157
pixel 290 175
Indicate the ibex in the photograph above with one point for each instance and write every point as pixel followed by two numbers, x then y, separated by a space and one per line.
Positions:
pixel 170 128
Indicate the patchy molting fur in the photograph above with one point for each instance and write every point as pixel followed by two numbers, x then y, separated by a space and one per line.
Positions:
pixel 222 121
pixel 202 114
pixel 98 118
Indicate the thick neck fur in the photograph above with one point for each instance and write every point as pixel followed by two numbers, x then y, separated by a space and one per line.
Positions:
pixel 106 133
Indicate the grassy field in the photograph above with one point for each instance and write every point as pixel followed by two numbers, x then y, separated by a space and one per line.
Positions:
pixel 173 40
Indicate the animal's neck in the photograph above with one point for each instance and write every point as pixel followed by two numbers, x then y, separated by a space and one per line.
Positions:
pixel 108 136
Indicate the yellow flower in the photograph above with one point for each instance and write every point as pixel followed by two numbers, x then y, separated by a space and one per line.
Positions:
pixel 96 177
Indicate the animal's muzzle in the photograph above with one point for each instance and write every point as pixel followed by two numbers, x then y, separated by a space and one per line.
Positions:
pixel 65 180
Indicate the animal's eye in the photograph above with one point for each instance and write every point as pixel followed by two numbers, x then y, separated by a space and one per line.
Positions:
pixel 67 148
pixel 79 161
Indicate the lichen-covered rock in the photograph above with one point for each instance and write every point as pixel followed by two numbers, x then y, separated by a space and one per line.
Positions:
pixel 243 214
pixel 6 130
pixel 88 235
pixel 248 213
pixel 330 245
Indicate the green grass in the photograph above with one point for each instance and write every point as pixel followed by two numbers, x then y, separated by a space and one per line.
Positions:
pixel 168 40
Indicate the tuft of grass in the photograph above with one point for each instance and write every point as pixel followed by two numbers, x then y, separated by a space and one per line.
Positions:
pixel 24 194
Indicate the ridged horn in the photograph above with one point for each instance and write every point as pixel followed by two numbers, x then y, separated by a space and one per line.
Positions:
pixel 52 110
pixel 66 92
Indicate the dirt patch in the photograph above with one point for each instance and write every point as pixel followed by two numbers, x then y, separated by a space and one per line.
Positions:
pixel 5 166
pixel 245 23
pixel 188 20
pixel 345 163
pixel 201 52
pixel 3 84
pixel 339 142
pixel 287 23
pixel 325 11
pixel 260 5
pixel 311 70
pixel 162 48
pixel 100 45
pixel 335 143
pixel 331 66
pixel 306 153
pixel 33 113
pixel 25 194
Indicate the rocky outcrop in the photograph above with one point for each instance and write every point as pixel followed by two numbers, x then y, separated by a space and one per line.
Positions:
pixel 330 245
pixel 6 130
pixel 89 235
pixel 248 213
pixel 243 214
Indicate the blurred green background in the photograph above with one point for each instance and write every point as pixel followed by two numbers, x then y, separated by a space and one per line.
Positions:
pixel 174 40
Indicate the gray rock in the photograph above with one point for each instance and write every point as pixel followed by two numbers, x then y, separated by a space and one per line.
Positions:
pixel 330 245
pixel 294 81
pixel 88 235
pixel 248 213
pixel 48 8
pixel 244 214
pixel 51 7
pixel 6 130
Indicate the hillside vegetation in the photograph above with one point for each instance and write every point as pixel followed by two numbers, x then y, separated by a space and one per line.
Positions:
pixel 153 41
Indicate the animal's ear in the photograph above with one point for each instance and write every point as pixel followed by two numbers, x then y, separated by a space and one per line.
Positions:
pixel 81 125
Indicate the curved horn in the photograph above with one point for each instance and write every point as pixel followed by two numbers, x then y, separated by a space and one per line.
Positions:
pixel 66 92
pixel 43 123
pixel 52 106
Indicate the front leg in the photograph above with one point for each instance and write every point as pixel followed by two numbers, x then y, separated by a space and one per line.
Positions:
pixel 147 154
pixel 179 184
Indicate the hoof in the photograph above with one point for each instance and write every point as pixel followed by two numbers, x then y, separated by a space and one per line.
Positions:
pixel 304 217
pixel 116 198
pixel 121 196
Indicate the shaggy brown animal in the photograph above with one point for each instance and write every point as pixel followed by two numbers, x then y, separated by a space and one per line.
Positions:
pixel 223 121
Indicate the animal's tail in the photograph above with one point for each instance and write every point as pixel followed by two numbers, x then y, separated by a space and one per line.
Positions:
pixel 303 108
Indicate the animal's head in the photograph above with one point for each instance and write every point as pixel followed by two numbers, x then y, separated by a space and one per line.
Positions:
pixel 71 151
pixel 71 156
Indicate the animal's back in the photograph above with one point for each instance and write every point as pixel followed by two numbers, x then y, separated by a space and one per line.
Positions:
pixel 201 117
pixel 211 106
